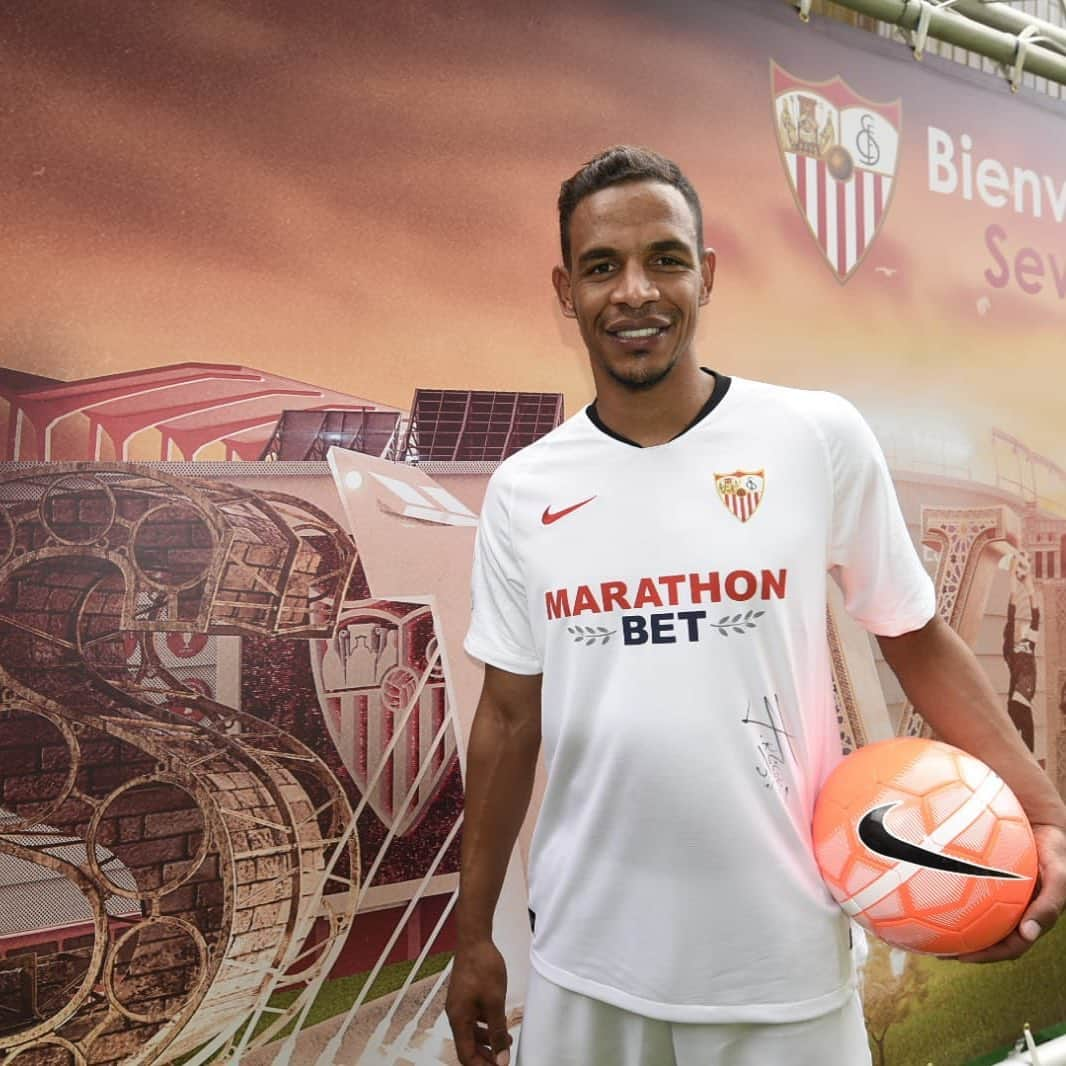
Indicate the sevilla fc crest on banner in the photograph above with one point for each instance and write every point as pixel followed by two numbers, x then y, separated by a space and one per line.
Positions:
pixel 840 153
pixel 381 687
pixel 741 491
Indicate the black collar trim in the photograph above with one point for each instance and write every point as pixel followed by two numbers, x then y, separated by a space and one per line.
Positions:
pixel 721 387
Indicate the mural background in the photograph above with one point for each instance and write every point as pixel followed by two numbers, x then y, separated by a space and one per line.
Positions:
pixel 253 231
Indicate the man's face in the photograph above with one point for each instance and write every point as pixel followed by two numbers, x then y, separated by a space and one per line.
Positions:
pixel 636 280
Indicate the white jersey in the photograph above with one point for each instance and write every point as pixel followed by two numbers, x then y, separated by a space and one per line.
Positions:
pixel 674 599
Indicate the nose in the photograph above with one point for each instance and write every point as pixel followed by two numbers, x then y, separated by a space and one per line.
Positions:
pixel 633 287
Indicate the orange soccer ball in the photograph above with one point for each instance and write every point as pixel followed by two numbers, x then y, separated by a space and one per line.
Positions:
pixel 925 846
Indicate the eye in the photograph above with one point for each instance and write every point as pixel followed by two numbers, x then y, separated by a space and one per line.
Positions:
pixel 600 268
pixel 668 260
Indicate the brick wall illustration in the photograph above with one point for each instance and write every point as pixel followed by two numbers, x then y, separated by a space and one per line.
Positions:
pixel 191 840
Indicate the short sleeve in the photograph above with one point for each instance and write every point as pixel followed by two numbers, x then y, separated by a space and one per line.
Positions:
pixel 499 633
pixel 886 589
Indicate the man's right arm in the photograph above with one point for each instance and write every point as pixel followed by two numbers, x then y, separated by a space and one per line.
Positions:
pixel 500 767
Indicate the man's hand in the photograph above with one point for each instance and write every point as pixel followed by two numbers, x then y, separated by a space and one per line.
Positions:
pixel 1044 908
pixel 475 1006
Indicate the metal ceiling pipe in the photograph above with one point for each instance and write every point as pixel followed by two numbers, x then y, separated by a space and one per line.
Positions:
pixel 944 25
pixel 1002 16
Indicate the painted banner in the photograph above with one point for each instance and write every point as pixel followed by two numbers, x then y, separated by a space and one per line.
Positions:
pixel 243 241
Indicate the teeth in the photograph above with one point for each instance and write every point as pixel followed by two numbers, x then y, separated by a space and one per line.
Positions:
pixel 630 333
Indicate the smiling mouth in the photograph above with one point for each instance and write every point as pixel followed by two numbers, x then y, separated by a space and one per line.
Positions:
pixel 652 331
pixel 644 333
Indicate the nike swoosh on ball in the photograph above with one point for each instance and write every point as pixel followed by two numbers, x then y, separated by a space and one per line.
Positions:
pixel 882 841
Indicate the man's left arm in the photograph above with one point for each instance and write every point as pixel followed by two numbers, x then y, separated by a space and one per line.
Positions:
pixel 943 679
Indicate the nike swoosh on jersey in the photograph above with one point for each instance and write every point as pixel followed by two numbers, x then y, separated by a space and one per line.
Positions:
pixel 547 518
pixel 882 841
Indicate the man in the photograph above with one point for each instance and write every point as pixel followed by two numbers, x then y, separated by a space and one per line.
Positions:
pixel 649 599
pixel 1019 648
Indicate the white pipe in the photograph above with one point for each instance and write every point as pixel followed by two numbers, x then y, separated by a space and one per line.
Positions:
pixel 1002 16
pixel 944 25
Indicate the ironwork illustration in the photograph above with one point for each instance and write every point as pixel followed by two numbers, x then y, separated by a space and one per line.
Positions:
pixel 200 846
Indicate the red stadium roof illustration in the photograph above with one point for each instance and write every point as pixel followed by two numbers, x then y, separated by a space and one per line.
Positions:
pixel 190 406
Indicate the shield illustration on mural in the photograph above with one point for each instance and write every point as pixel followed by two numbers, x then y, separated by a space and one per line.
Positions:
pixel 840 152
pixel 382 690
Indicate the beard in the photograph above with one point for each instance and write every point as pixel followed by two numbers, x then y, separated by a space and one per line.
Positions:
pixel 641 377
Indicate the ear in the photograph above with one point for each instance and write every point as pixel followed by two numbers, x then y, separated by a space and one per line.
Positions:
pixel 707 265
pixel 561 283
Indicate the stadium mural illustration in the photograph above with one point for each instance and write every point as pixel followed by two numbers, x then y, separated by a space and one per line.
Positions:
pixel 235 545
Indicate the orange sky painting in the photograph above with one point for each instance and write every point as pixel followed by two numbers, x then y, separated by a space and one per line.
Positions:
pixel 362 195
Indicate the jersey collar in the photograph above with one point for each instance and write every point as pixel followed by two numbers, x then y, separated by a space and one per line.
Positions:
pixel 721 387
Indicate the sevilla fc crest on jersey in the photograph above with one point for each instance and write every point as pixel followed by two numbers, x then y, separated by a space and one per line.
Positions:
pixel 840 153
pixel 742 491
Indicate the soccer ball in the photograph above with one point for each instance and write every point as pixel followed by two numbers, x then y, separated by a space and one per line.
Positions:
pixel 925 846
pixel 839 163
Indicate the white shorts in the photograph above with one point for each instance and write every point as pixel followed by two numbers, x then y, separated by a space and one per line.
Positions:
pixel 564 1028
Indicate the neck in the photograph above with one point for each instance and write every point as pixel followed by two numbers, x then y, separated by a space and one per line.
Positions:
pixel 656 415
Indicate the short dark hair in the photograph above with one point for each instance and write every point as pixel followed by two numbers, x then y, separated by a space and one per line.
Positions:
pixel 615 166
